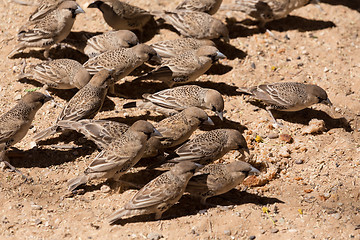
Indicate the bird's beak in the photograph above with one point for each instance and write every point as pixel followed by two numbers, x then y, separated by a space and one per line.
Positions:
pixel 244 149
pixel 220 115
pixel 48 98
pixel 254 171
pixel 156 58
pixel 79 10
pixel 156 133
pixel 225 39
pixel 327 102
pixel 220 55
pixel 208 121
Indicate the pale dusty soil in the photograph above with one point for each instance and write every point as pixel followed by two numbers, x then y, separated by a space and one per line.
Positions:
pixel 317 199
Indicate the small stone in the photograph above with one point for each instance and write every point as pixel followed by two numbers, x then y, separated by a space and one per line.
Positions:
pixel 284 152
pixel 292 230
pixel 337 216
pixel 227 232
pixel 154 236
pixel 273 135
pixel 203 211
pixel 32 144
pixel 286 138
pixel 299 161
pixel 252 237
pixel 274 230
pixel 36 207
pixel 253 66
pixel 262 231
pixel 18 96
pixel 38 222
pixel 105 189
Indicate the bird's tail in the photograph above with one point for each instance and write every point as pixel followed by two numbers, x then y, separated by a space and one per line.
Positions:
pixel 118 215
pixel 45 133
pixel 72 125
pixel 244 90
pixel 240 5
pixel 76 182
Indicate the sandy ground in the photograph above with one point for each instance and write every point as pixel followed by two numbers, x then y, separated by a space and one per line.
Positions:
pixel 310 186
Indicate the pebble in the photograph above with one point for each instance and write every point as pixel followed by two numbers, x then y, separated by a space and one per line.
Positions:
pixel 252 237
pixel 274 230
pixel 38 222
pixel 17 96
pixel 154 236
pixel 337 216
pixel 284 152
pixel 227 232
pixel 36 207
pixel 286 138
pixel 273 135
pixel 299 161
pixel 105 189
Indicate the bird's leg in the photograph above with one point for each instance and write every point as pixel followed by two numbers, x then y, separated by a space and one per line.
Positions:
pixel 276 124
pixel 16 50
pixel 130 184
pixel 158 215
pixel 22 73
pixel 47 53
pixel 4 159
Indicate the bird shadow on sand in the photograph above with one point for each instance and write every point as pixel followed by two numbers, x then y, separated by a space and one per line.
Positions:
pixel 230 51
pixel 301 24
pixel 218 69
pixel 221 87
pixel 56 52
pixel 42 158
pixel 225 124
pixel 130 120
pixel 65 94
pixel 306 115
pixel 187 207
pixel 353 4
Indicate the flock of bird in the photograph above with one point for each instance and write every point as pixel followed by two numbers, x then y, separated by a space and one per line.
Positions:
pixel 114 55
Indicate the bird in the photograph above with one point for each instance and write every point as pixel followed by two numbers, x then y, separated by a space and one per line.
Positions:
pixel 122 61
pixel 217 179
pixel 172 48
pixel 177 128
pixel 206 6
pixel 119 156
pixel 186 67
pixel 287 96
pixel 172 100
pixel 195 24
pixel 266 10
pixel 111 40
pixel 58 74
pixel 49 29
pixel 101 132
pixel 15 123
pixel 159 194
pixel 207 147
pixel 122 16
pixel 86 103
pixel 43 8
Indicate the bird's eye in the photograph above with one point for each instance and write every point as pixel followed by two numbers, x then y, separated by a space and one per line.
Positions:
pixel 213 109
